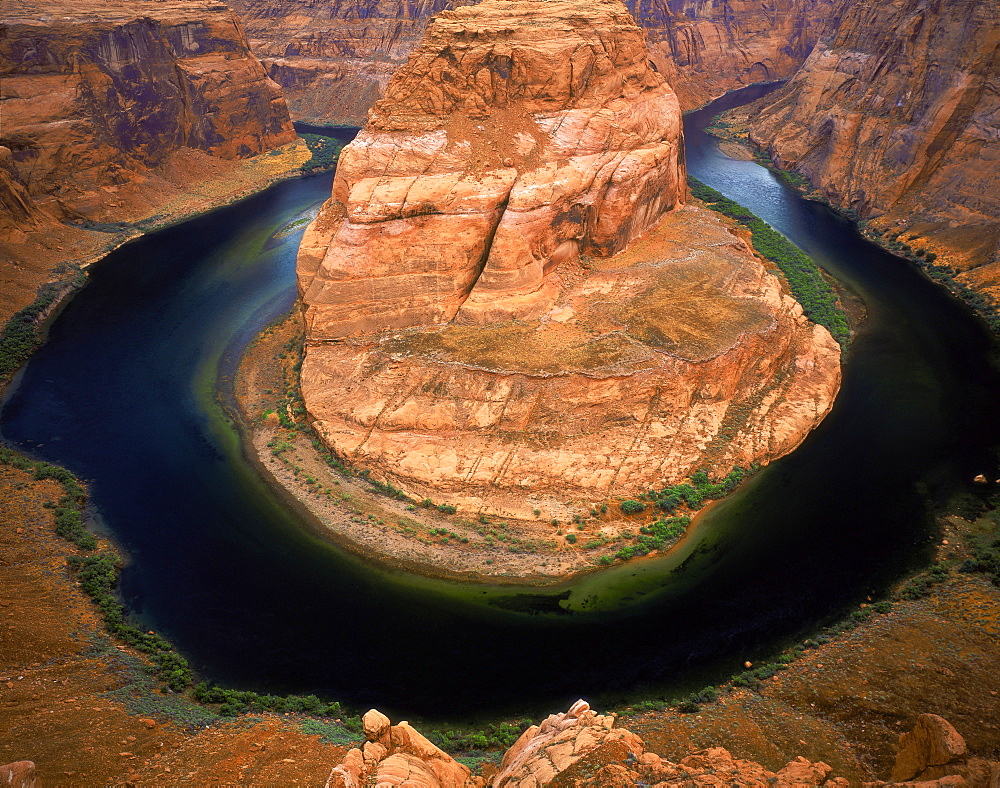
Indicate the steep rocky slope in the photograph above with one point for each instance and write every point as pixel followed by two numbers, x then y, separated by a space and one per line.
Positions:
pixel 334 60
pixel 115 110
pixel 523 143
pixel 897 116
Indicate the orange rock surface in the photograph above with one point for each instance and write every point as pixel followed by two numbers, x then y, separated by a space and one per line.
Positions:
pixel 99 101
pixel 335 60
pixel 895 116
pixel 682 353
pixel 520 135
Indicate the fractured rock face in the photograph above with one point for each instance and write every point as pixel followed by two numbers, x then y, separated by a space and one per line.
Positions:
pixel 334 60
pixel 519 135
pixel 896 117
pixel 474 328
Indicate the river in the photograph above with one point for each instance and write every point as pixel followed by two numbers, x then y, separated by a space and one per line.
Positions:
pixel 125 394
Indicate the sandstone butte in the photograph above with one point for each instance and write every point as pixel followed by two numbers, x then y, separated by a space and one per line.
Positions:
pixel 112 111
pixel 334 60
pixel 475 333
pixel 895 116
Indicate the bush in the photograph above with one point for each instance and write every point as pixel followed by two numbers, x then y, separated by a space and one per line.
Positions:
pixel 631 507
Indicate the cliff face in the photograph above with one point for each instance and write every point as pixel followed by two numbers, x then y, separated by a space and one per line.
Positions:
pixel 95 99
pixel 334 60
pixel 116 113
pixel 896 116
pixel 473 326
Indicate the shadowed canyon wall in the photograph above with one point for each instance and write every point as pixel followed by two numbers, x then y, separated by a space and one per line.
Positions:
pixel 118 113
pixel 335 59
pixel 474 330
pixel 897 116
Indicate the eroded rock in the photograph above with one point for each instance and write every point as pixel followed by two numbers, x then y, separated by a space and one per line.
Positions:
pixel 895 116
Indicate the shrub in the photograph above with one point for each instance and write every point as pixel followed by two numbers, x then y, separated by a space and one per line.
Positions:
pixel 629 506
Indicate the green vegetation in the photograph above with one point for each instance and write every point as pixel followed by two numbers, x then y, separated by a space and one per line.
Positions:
pixel 69 508
pixel 985 544
pixel 494 736
pixel 234 702
pixel 631 507
pixel 325 151
pixel 700 489
pixel 23 332
pixel 805 280
pixel 98 575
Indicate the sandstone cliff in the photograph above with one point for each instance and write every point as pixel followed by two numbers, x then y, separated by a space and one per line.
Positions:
pixel 522 144
pixel 115 112
pixel 334 60
pixel 95 98
pixel 896 117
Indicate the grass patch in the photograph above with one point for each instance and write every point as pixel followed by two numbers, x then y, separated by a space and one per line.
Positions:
pixel 324 152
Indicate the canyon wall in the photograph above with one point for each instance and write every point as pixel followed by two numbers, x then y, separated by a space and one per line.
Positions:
pixel 476 329
pixel 334 60
pixel 897 117
pixel 94 99
pixel 117 112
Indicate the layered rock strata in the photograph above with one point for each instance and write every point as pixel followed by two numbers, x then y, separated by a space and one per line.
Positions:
pixel 98 101
pixel 518 137
pixel 334 61
pixel 897 117
pixel 465 339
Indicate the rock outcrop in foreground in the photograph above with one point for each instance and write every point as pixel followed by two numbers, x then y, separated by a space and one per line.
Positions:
pixel 582 748
pixel 334 61
pixel 896 117
pixel 474 332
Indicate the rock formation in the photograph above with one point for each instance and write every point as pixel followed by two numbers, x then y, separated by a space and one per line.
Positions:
pixel 464 339
pixel 519 136
pixel 97 99
pixel 896 117
pixel 576 748
pixel 119 113
pixel 397 755
pixel 334 61
pixel 20 774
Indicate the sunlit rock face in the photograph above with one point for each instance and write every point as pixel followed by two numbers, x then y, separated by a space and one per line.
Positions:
pixel 505 297
pixel 897 116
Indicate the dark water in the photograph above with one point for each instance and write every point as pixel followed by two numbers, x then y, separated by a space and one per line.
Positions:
pixel 124 394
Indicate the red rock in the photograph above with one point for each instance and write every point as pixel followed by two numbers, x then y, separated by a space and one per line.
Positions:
pixel 552 378
pixel 932 742
pixel 895 117
pixel 20 774
pixel 335 61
